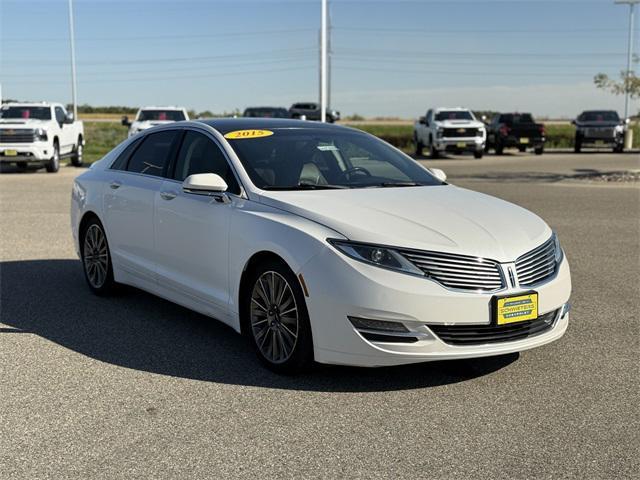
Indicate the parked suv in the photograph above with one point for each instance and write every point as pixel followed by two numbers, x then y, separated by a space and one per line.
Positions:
pixel 311 111
pixel 148 117
pixel 515 130
pixel 39 134
pixel 450 130
pixel 599 128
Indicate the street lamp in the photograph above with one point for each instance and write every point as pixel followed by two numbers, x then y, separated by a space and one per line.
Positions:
pixel 73 61
pixel 631 4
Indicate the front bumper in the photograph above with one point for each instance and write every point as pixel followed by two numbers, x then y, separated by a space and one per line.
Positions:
pixel 340 288
pixel 463 144
pixel 25 152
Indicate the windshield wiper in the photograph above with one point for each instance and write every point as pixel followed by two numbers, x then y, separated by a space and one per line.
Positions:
pixel 304 186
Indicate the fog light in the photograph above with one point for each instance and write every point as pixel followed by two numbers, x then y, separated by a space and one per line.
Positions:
pixel 383 325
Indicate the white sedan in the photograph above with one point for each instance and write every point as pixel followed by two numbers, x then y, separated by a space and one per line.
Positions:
pixel 319 242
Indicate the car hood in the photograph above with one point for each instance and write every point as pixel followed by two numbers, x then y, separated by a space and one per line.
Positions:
pixel 150 123
pixel 441 218
pixel 460 124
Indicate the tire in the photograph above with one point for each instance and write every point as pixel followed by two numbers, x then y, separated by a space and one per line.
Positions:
pixel 53 165
pixel 577 145
pixel 433 151
pixel 538 150
pixel 282 342
pixel 96 258
pixel 478 154
pixel 22 166
pixel 499 149
pixel 618 149
pixel 78 155
pixel 419 146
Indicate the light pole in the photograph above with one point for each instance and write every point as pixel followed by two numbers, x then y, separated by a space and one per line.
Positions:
pixel 73 61
pixel 631 4
pixel 323 62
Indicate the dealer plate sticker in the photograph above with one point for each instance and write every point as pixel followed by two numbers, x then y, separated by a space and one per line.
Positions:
pixel 10 153
pixel 517 309
pixel 244 134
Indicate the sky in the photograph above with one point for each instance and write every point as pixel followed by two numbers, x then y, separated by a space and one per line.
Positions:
pixel 389 58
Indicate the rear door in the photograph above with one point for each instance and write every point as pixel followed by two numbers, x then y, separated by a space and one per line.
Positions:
pixel 129 203
pixel 192 231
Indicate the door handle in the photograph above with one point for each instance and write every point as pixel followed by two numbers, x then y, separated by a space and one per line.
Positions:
pixel 167 195
pixel 115 185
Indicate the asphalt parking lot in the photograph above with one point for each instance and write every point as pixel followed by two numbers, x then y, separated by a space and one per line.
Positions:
pixel 134 386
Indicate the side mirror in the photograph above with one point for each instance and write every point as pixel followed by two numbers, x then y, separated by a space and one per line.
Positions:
pixel 439 174
pixel 573 122
pixel 422 120
pixel 125 121
pixel 69 118
pixel 205 184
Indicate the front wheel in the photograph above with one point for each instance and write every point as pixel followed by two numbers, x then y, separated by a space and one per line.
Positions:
pixel 433 151
pixel 419 146
pixel 478 154
pixel 53 165
pixel 538 150
pixel 96 258
pixel 278 321
pixel 577 146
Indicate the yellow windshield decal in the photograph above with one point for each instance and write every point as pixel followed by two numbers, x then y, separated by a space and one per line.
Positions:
pixel 242 134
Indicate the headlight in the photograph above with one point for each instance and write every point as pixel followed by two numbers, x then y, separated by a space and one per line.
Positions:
pixel 41 134
pixel 557 249
pixel 619 128
pixel 379 256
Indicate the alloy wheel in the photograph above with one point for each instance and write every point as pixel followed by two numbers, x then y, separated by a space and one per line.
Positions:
pixel 96 256
pixel 274 317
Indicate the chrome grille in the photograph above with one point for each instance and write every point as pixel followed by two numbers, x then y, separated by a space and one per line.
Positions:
pixel 459 132
pixel 603 132
pixel 537 265
pixel 460 272
pixel 20 135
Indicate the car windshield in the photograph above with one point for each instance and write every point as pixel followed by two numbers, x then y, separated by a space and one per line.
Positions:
pixel 599 117
pixel 517 118
pixel 266 112
pixel 320 158
pixel 453 115
pixel 161 115
pixel 26 113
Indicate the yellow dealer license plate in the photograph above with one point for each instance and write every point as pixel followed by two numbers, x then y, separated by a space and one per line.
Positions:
pixel 461 145
pixel 518 308
pixel 10 153
pixel 524 140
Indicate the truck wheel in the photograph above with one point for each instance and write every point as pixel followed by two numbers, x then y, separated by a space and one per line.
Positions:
pixel 538 150
pixel 618 148
pixel 433 151
pixel 478 154
pixel 499 149
pixel 54 164
pixel 77 158
pixel 577 146
pixel 22 166
pixel 419 146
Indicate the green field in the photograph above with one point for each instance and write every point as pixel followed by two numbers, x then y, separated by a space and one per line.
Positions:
pixel 103 136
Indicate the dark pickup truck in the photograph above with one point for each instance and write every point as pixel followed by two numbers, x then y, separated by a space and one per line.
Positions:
pixel 266 112
pixel 599 128
pixel 311 111
pixel 515 130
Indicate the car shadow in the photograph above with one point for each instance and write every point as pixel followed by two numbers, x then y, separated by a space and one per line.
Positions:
pixel 137 330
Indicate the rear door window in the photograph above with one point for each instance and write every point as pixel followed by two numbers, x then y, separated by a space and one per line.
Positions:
pixel 152 157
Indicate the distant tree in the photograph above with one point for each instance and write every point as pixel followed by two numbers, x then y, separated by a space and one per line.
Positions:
pixel 627 84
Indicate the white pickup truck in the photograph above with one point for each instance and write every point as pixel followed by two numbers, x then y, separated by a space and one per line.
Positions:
pixel 451 130
pixel 39 134
pixel 148 117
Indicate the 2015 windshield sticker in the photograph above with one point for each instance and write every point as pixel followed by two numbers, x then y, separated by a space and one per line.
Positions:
pixel 242 134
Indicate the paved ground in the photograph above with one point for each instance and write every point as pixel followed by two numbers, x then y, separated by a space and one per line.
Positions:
pixel 137 387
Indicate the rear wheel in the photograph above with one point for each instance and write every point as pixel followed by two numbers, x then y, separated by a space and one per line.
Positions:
pixel 77 158
pixel 522 148
pixel 54 164
pixel 433 151
pixel 96 258
pixel 278 321
pixel 538 150
pixel 419 146
pixel 478 154
pixel 618 148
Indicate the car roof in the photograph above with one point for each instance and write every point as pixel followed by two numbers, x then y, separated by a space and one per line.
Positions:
pixel 162 108
pixel 600 111
pixel 226 125
pixel 462 109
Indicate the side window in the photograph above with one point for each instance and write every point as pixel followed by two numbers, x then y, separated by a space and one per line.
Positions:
pixel 154 153
pixel 121 162
pixel 199 154
pixel 429 115
pixel 59 115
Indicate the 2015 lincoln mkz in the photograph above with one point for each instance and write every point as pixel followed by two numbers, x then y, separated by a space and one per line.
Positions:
pixel 319 242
